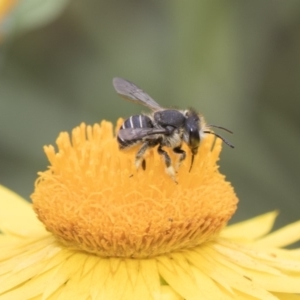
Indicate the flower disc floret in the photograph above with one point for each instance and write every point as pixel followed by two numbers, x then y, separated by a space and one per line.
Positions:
pixel 92 198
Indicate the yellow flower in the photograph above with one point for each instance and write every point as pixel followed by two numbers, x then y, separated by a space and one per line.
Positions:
pixel 117 233
pixel 5 8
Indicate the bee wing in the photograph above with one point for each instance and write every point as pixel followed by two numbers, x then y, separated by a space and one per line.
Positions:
pixel 128 134
pixel 129 91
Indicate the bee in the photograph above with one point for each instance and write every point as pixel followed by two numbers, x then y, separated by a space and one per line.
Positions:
pixel 163 128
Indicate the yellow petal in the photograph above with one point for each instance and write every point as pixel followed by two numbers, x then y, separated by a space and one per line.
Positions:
pixel 282 237
pixel 242 259
pixel 197 260
pixel 150 274
pixel 13 279
pixel 251 229
pixel 55 295
pixel 100 274
pixel 78 285
pixel 36 284
pixel 17 217
pixel 283 283
pixel 14 252
pixel 116 282
pixel 24 268
pixel 283 296
pixel 64 272
pixel 167 293
pixel 267 280
pixel 32 288
pixel 177 272
pixel 278 258
pixel 293 254
pixel 140 290
pixel 233 278
pixel 208 285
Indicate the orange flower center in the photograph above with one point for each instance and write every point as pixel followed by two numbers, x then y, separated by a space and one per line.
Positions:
pixel 92 198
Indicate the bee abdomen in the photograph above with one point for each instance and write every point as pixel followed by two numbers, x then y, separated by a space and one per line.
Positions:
pixel 136 121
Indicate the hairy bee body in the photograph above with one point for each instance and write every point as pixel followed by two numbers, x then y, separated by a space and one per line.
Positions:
pixel 163 128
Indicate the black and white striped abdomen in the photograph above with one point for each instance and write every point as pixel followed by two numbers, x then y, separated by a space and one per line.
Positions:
pixel 136 121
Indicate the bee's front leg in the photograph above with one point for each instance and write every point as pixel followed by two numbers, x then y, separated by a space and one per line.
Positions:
pixel 169 168
pixel 181 157
pixel 139 157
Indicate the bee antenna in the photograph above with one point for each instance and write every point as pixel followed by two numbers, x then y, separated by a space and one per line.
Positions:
pixel 192 162
pixel 220 127
pixel 220 137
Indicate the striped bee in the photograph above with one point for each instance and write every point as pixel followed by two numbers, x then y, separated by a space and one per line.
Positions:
pixel 162 128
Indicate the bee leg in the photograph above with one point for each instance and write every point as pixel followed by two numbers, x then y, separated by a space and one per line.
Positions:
pixel 139 157
pixel 144 164
pixel 169 168
pixel 181 153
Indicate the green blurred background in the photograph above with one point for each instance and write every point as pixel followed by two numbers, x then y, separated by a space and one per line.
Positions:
pixel 237 62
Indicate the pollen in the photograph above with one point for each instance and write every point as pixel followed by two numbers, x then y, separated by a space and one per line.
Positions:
pixel 92 198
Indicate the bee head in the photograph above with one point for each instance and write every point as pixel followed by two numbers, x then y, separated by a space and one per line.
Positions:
pixel 195 129
pixel 192 132
pixel 192 135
